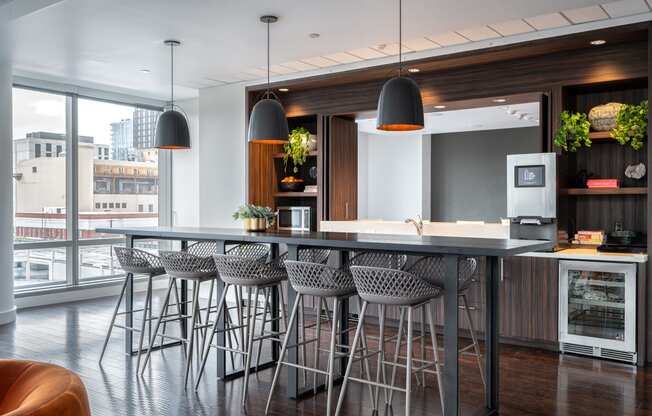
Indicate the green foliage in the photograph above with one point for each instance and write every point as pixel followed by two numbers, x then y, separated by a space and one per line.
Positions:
pixel 254 211
pixel 631 123
pixel 297 148
pixel 573 131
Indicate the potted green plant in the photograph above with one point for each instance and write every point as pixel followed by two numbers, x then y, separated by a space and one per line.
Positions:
pixel 573 131
pixel 255 217
pixel 297 148
pixel 631 125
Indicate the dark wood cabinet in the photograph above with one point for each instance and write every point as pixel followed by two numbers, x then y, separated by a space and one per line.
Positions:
pixel 342 171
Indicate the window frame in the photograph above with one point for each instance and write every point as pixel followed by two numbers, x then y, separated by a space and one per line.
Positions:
pixel 73 244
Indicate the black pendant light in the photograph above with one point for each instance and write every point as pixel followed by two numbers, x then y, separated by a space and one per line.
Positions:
pixel 399 106
pixel 268 123
pixel 172 127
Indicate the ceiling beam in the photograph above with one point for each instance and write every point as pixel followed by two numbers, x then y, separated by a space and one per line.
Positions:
pixel 15 9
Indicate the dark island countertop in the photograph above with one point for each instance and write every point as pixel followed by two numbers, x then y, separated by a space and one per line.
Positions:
pixel 351 241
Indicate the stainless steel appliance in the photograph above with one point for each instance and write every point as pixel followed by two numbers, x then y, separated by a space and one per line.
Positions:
pixel 294 218
pixel 532 196
pixel 597 309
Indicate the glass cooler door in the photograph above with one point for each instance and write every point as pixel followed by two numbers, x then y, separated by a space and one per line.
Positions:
pixel 598 304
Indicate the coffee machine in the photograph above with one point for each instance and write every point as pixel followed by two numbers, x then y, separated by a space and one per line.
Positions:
pixel 532 196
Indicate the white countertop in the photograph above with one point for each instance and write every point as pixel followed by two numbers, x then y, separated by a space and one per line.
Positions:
pixel 590 254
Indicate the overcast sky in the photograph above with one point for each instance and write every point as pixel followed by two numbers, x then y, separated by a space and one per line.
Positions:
pixel 38 111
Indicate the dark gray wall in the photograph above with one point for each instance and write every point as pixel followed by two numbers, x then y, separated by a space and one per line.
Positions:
pixel 468 172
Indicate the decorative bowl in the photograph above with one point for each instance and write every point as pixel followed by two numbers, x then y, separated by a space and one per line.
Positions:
pixel 292 184
pixel 603 117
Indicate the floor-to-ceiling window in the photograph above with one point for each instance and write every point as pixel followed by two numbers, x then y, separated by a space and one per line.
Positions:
pixel 79 164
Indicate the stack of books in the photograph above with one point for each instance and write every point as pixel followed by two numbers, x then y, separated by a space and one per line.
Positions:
pixel 592 238
pixel 603 183
pixel 310 188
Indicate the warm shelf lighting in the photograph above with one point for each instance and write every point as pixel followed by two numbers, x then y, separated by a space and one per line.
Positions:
pixel 598 42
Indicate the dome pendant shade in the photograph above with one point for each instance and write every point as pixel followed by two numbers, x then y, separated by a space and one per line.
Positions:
pixel 172 131
pixel 400 107
pixel 267 123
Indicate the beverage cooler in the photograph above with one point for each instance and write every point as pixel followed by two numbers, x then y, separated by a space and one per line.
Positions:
pixel 597 309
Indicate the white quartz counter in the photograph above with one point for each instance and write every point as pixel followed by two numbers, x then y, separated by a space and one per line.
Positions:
pixel 477 230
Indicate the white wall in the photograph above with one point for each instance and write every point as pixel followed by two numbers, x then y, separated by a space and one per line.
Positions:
pixel 391 176
pixel 185 171
pixel 221 154
pixel 7 307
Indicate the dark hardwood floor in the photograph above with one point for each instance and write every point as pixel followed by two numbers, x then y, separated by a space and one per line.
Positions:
pixel 532 382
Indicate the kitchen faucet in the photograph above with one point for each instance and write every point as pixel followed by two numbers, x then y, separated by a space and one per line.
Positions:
pixel 417 224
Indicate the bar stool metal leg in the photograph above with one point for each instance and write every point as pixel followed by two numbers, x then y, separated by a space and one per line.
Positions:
pixel 349 365
pixel 317 342
pixel 152 340
pixel 435 351
pixel 115 314
pixel 331 356
pixel 193 322
pixel 221 306
pixel 148 301
pixel 397 351
pixel 408 364
pixel 476 346
pixel 284 347
pixel 250 342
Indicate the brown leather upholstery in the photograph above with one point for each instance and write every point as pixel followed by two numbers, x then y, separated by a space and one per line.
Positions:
pixel 29 388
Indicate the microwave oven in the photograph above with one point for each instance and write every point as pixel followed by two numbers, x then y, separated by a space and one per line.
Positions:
pixel 294 218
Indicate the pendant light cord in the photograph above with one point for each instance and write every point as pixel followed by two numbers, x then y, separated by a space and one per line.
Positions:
pixel 172 75
pixel 400 37
pixel 267 93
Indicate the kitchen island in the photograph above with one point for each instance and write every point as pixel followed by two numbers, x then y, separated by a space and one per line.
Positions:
pixel 450 247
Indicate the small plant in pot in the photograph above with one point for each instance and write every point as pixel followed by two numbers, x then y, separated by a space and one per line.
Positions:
pixel 255 217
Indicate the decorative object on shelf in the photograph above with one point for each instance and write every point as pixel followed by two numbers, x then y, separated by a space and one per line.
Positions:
pixel 573 131
pixel 254 217
pixel 172 126
pixel 593 238
pixel 579 181
pixel 631 125
pixel 292 184
pixel 603 183
pixel 268 123
pixel 311 188
pixel 400 107
pixel 634 174
pixel 297 148
pixel 312 172
pixel 312 143
pixel 603 117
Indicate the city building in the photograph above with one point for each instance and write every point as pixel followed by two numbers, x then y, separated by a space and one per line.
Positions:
pixel 47 144
pixel 144 127
pixel 122 147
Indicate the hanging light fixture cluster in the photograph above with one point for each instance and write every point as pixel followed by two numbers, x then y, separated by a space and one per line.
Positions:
pixel 268 123
pixel 399 106
pixel 172 127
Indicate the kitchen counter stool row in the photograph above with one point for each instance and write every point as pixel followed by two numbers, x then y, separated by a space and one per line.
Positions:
pixel 248 272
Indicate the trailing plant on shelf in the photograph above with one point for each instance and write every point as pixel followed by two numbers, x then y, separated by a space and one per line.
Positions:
pixel 631 125
pixel 297 148
pixel 573 131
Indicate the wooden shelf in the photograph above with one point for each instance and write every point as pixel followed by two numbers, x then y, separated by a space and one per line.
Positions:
pixel 280 155
pixel 295 195
pixel 601 137
pixel 603 191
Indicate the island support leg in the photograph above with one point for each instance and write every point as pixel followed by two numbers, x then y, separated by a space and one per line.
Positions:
pixel 129 305
pixel 293 339
pixel 220 248
pixel 451 350
pixel 491 335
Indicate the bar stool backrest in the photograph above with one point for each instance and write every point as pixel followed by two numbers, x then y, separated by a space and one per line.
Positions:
pixel 133 260
pixel 378 259
pixel 433 269
pixel 238 270
pixel 256 251
pixel 391 286
pixel 184 265
pixel 317 279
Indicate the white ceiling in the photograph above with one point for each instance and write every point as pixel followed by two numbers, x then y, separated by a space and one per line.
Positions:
pixel 473 119
pixel 108 42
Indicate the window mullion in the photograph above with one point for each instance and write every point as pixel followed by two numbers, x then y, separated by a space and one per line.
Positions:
pixel 72 214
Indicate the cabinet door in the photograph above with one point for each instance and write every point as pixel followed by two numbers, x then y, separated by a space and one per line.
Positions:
pixel 342 169
pixel 529 296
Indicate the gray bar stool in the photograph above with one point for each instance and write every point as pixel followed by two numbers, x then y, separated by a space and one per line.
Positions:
pixel 184 266
pixel 432 270
pixel 391 287
pixel 134 261
pixel 240 272
pixel 322 282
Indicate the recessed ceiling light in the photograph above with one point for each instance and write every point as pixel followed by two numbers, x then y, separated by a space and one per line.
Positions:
pixel 440 107
pixel 413 70
pixel 499 100
pixel 314 35
pixel 598 42
pixel 145 71
pixel 437 114
pixel 284 89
